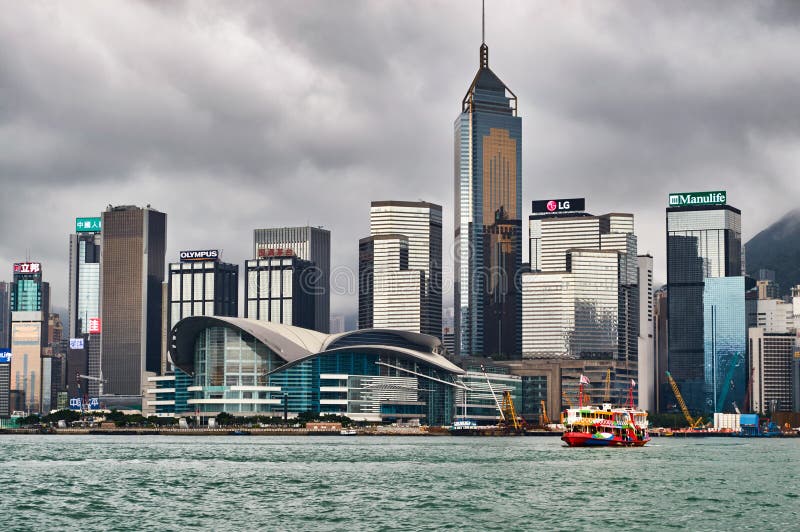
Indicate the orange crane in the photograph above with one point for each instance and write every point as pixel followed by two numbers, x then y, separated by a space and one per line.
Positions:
pixel 607 395
pixel 693 423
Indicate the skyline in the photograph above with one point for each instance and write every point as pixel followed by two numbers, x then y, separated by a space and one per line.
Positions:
pixel 145 123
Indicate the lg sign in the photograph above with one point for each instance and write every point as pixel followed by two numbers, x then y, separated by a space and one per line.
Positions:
pixel 557 206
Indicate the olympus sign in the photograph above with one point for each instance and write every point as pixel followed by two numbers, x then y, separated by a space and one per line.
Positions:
pixel 691 199
pixel 199 255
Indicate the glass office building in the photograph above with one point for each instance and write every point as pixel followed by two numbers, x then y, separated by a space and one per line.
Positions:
pixel 702 242
pixel 281 289
pixel 83 304
pixel 488 217
pixel 724 343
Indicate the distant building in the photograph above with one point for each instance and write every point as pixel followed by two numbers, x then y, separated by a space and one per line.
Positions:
pixel 646 355
pixel 449 339
pixel 775 315
pixel 337 324
pixel 661 337
pixel 703 241
pixel 30 307
pixel 132 270
pixel 202 286
pixel 280 289
pixel 83 304
pixel 772 360
pixel 767 289
pixel 5 313
pixel 417 227
pixel 311 244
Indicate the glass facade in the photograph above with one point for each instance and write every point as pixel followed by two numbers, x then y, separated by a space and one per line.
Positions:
pixel 488 225
pixel 724 343
pixel 236 373
pixel 480 404
pixel 280 289
pixel 206 288
pixel 702 243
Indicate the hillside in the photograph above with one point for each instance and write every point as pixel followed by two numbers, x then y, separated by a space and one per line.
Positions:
pixel 777 248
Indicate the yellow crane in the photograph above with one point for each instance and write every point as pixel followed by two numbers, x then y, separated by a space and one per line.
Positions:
pixel 693 423
pixel 510 413
pixel 543 419
pixel 607 395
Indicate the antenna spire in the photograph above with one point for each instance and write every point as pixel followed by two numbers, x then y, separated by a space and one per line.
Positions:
pixel 483 21
pixel 484 48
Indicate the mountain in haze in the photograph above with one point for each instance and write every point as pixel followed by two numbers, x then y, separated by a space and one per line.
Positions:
pixel 777 248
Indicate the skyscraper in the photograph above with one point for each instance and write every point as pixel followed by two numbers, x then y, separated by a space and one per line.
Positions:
pixel 703 241
pixel 280 288
pixel 30 308
pixel 202 285
pixel 5 313
pixel 582 302
pixel 84 303
pixel 310 244
pixel 646 357
pixel 416 227
pixel 132 270
pixel 488 210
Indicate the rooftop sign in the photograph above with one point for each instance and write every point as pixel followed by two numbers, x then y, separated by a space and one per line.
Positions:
pixel 557 206
pixel 88 225
pixel 27 267
pixel 692 199
pixel 199 255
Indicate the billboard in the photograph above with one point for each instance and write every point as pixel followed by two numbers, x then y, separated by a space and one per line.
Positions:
pixel 95 326
pixel 275 252
pixel 5 356
pixel 75 403
pixel 556 206
pixel 76 343
pixel 694 199
pixel 27 267
pixel 199 255
pixel 88 225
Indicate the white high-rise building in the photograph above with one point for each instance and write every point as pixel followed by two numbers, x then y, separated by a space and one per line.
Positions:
pixel 646 355
pixel 400 268
pixel 581 301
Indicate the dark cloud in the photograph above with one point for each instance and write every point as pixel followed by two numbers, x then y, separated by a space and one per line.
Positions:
pixel 239 115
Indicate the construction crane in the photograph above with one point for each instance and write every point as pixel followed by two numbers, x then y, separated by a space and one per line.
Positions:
pixel 693 423
pixel 543 419
pixel 100 380
pixel 510 413
pixel 607 394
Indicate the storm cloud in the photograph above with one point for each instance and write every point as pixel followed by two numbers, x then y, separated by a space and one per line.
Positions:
pixel 236 115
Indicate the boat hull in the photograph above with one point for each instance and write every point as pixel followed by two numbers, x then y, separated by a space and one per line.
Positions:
pixel 583 439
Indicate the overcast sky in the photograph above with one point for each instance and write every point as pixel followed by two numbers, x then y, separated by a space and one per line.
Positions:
pixel 234 115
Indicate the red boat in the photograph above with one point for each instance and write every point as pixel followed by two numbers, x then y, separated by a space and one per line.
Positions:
pixel 589 426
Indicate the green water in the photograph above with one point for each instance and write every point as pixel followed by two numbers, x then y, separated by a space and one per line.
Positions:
pixel 393 483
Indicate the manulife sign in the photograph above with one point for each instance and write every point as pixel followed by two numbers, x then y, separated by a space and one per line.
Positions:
pixel 692 199
pixel 87 225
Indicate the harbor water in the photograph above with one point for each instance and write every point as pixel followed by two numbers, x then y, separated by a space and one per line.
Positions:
pixel 395 483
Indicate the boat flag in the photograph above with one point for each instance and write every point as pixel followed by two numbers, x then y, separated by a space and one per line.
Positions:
pixel 633 383
pixel 584 379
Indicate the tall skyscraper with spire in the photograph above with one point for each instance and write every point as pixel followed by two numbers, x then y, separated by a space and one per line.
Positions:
pixel 488 213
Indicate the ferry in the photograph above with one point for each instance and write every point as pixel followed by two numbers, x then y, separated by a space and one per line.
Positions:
pixel 590 426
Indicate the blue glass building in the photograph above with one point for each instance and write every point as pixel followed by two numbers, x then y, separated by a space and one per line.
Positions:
pixel 724 343
pixel 488 214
